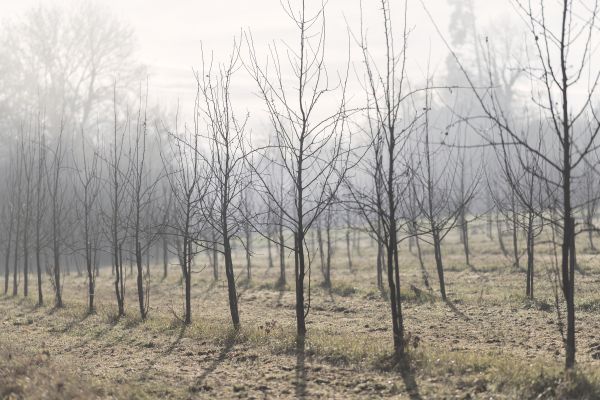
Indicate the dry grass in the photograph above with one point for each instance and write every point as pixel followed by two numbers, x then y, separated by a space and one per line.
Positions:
pixel 487 341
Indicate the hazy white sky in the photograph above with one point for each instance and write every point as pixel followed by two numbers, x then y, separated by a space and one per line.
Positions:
pixel 170 32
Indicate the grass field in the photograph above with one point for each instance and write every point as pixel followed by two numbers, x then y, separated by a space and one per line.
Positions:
pixel 487 341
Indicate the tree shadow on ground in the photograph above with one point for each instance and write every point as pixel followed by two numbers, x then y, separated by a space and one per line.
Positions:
pixel 456 311
pixel 300 381
pixel 281 289
pixel 402 364
pixel 168 351
pixel 229 343
pixel 209 289
pixel 472 268
pixel 409 380
pixel 71 323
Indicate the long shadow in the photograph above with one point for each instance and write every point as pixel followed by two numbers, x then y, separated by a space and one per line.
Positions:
pixel 330 294
pixel 281 288
pixel 210 288
pixel 73 322
pixel 329 290
pixel 472 268
pixel 54 309
pixel 168 351
pixel 100 333
pixel 229 343
pixel 177 340
pixel 457 311
pixel 300 382
pixel 409 380
pixel 243 287
pixel 580 270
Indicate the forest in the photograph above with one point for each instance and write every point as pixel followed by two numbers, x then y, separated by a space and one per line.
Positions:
pixel 316 218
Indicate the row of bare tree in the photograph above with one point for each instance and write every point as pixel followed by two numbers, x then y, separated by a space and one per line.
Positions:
pixel 410 163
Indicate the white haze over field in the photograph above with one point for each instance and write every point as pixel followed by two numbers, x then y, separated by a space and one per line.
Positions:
pixel 170 35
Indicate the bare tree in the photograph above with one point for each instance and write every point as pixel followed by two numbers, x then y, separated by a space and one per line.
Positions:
pixel 227 162
pixel 141 187
pixel 88 175
pixel 63 60
pixel 188 179
pixel 8 219
pixel 393 120
pixel 309 137
pixel 118 178
pixel 40 203
pixel 326 249
pixel 562 54
pixel 55 183
pixel 247 227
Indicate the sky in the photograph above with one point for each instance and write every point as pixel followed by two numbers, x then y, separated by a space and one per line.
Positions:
pixel 170 34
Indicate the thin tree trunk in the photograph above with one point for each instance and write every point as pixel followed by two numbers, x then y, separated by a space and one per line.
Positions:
pixel 165 251
pixel 215 257
pixel 282 278
pixel 140 278
pixel 327 282
pixel 248 253
pixel 500 239
pixel 321 253
pixel 464 229
pixel 233 305
pixel 530 257
pixel 7 255
pixel 348 250
pixel 16 257
pixel 424 274
pixel 438 262
pixel 514 232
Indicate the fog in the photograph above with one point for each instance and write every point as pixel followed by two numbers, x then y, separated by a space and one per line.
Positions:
pixel 195 152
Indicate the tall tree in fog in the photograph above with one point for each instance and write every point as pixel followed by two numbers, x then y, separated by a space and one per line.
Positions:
pixel 227 162
pixel 441 189
pixel 118 170
pixel 188 178
pixel 393 119
pixel 308 115
pixel 55 180
pixel 86 194
pixel 40 201
pixel 563 47
pixel 63 61
pixel 141 188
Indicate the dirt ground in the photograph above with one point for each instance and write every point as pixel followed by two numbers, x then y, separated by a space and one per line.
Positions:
pixel 487 341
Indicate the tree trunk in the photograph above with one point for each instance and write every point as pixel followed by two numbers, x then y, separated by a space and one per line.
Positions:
pixel 327 282
pixel 424 274
pixel 321 253
pixel 464 229
pixel 118 267
pixel 348 250
pixel 500 239
pixel 140 278
pixel 165 251
pixel 26 258
pixel 7 255
pixel 299 274
pixel 58 302
pixel 437 248
pixel 514 232
pixel 282 279
pixel 187 277
pixel 233 305
pixel 16 257
pixel 215 257
pixel 248 253
pixel 530 257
